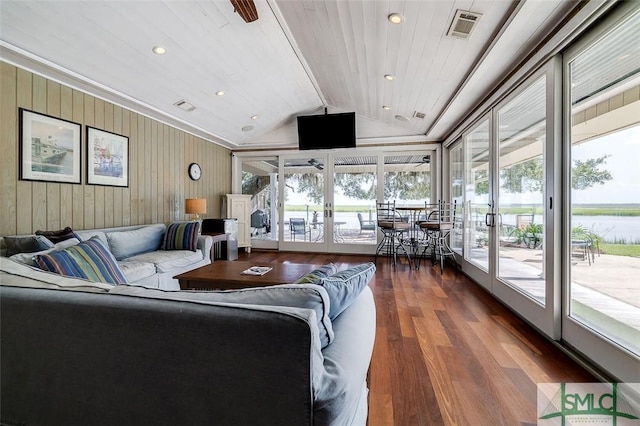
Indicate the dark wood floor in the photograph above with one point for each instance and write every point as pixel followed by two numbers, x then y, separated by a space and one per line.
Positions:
pixel 446 352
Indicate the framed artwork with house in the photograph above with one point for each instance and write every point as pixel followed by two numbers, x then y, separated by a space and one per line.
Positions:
pixel 49 148
pixel 107 158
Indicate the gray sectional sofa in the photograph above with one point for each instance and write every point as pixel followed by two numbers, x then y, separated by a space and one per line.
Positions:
pixel 91 353
pixel 139 254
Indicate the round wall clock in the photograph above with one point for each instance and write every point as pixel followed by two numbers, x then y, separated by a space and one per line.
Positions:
pixel 195 172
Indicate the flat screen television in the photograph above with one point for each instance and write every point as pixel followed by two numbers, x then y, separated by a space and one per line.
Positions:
pixel 326 131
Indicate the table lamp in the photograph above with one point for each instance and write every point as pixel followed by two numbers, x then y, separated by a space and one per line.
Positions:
pixel 195 206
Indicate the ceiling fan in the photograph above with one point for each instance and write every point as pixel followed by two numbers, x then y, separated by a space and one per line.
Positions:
pixel 313 162
pixel 425 160
pixel 246 9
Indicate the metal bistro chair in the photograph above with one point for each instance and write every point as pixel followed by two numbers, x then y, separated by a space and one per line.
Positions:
pixel 441 218
pixel 298 226
pixel 392 227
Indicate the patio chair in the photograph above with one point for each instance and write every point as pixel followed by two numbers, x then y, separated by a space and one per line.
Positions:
pixel 366 225
pixel 582 245
pixel 439 224
pixel 392 227
pixel 298 226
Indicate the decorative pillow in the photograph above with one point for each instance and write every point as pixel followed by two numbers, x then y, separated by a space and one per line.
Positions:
pixel 315 276
pixel 345 286
pixel 89 259
pixel 17 274
pixel 26 244
pixel 57 236
pixel 306 296
pixel 124 244
pixel 29 258
pixel 182 236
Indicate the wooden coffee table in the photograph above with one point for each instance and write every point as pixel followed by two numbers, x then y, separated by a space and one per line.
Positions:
pixel 226 275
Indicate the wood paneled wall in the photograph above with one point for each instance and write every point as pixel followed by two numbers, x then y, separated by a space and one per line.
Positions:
pixel 158 159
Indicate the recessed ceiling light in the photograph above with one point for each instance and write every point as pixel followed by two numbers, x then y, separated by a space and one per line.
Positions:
pixel 254 117
pixel 396 18
pixel 247 128
pixel 390 77
pixel 159 50
pixel 386 107
pixel 220 93
pixel 402 118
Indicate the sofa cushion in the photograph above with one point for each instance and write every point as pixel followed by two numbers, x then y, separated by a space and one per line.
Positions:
pixel 89 259
pixel 26 244
pixel 124 244
pixel 136 271
pixel 308 296
pixel 87 235
pixel 315 276
pixel 57 236
pixel 29 258
pixel 181 236
pixel 167 261
pixel 345 286
pixel 17 274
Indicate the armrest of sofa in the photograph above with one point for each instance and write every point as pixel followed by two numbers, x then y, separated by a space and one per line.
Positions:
pixel 204 243
pixel 346 361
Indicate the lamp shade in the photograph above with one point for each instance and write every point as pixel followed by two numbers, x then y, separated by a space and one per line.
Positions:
pixel 195 205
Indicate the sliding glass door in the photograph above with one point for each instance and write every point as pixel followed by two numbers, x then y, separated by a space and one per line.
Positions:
pixel 478 201
pixel 503 164
pixel 602 254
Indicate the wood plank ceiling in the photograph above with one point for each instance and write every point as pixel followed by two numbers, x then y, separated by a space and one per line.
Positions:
pixel 297 58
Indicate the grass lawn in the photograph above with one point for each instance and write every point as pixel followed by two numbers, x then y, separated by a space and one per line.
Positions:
pixel 621 249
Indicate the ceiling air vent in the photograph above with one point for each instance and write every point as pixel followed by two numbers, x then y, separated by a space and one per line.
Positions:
pixel 419 115
pixel 185 106
pixel 463 24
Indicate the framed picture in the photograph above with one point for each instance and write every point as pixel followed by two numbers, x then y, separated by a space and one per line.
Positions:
pixel 107 158
pixel 49 148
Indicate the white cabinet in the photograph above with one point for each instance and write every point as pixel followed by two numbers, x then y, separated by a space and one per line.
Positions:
pixel 239 207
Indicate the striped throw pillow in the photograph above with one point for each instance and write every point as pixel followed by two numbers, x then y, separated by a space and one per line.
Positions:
pixel 182 236
pixel 90 260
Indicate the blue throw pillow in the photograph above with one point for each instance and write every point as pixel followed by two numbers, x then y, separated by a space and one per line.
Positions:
pixel 145 239
pixel 345 286
pixel 182 236
pixel 90 260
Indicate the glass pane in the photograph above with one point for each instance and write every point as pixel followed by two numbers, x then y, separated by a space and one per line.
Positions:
pixel 456 167
pixel 354 194
pixel 260 180
pixel 522 134
pixel 476 234
pixel 605 186
pixel 304 200
pixel 407 179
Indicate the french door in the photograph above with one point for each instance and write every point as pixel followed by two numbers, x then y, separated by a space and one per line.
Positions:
pixel 328 199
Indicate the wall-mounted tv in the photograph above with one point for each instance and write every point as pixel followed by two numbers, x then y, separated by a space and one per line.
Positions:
pixel 326 131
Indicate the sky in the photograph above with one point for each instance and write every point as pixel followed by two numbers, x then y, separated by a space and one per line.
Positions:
pixel 623 147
